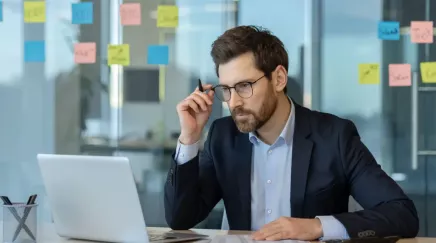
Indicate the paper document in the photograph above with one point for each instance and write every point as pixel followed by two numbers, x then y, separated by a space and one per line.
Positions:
pixel 245 239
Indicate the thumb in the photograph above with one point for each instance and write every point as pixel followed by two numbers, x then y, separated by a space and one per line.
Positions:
pixel 211 93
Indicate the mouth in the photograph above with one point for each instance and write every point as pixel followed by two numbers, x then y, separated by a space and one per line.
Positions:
pixel 242 115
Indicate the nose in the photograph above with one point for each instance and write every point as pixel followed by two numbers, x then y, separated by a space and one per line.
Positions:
pixel 235 100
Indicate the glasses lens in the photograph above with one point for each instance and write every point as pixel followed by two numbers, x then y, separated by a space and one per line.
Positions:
pixel 222 93
pixel 244 89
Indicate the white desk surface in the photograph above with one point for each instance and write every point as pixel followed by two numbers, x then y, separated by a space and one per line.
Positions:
pixel 47 234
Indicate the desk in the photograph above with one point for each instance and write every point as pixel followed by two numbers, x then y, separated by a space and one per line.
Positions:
pixel 47 234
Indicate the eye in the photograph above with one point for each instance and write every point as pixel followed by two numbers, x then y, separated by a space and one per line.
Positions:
pixel 244 85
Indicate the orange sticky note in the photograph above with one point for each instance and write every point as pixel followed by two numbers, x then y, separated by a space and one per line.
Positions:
pixel 85 52
pixel 428 72
pixel 421 31
pixel 130 13
pixel 400 75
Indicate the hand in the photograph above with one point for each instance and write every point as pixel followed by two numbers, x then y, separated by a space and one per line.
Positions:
pixel 290 228
pixel 194 111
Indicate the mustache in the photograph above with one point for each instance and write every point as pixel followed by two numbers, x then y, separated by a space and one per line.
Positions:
pixel 240 111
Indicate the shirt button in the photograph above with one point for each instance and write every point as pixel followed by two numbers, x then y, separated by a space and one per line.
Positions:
pixel 269 151
pixel 269 211
pixel 268 181
pixel 182 155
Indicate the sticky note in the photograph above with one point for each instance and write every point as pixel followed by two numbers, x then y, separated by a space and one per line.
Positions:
pixel 85 52
pixel 1 11
pixel 428 72
pixel 421 31
pixel 158 54
pixel 118 54
pixel 369 73
pixel 82 13
pixel 34 51
pixel 400 75
pixel 389 30
pixel 34 12
pixel 167 16
pixel 130 14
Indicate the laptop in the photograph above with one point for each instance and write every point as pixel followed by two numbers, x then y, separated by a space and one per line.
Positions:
pixel 95 198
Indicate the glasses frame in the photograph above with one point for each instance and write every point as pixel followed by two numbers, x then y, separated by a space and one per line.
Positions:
pixel 234 87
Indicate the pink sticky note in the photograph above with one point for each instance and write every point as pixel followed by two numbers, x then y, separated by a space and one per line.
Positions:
pixel 400 75
pixel 85 52
pixel 130 13
pixel 421 31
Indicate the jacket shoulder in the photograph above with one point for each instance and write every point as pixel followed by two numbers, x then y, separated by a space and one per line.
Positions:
pixel 326 124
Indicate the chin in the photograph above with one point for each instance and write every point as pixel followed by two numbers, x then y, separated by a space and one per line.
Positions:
pixel 245 127
pixel 245 130
pixel 245 124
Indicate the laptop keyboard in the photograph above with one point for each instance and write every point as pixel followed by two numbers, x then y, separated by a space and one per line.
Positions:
pixel 156 237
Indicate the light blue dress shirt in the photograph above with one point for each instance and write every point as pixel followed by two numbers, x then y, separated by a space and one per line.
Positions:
pixel 271 180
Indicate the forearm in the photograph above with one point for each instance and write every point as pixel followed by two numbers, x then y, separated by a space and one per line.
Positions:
pixel 191 190
pixel 183 205
pixel 395 218
pixel 388 211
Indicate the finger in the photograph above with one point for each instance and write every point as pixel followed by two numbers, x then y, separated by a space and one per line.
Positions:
pixel 276 236
pixel 270 230
pixel 200 101
pixel 194 105
pixel 267 227
pixel 211 93
pixel 258 233
pixel 189 103
pixel 258 236
pixel 205 96
pixel 205 87
pixel 184 104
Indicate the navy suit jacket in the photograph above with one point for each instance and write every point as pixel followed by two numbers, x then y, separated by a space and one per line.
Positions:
pixel 329 163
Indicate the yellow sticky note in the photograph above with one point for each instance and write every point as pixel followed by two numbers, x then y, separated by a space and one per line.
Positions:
pixel 118 54
pixel 369 73
pixel 428 72
pixel 167 16
pixel 34 12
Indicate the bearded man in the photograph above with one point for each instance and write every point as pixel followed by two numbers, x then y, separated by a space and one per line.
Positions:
pixel 282 170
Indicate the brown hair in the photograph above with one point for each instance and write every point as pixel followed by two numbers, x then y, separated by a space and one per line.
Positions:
pixel 268 50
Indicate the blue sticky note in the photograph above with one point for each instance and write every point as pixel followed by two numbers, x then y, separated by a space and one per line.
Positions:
pixel 34 51
pixel 1 11
pixel 158 54
pixel 389 30
pixel 82 13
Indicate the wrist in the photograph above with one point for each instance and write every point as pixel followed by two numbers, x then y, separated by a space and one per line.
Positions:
pixel 188 139
pixel 318 228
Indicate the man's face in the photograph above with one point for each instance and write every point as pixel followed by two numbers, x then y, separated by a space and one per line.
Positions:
pixel 250 113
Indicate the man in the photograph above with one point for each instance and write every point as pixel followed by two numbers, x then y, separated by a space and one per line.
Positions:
pixel 282 170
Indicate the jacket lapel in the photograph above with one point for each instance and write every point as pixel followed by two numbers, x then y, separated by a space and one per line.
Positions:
pixel 242 159
pixel 301 154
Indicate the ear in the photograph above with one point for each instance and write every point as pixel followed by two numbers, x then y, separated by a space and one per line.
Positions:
pixel 281 77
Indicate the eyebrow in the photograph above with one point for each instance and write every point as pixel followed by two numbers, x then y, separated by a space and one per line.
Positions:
pixel 243 81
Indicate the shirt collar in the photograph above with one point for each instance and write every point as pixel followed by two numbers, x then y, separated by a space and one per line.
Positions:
pixel 287 133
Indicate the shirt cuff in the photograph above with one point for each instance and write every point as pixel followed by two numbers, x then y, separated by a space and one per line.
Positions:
pixel 185 153
pixel 332 229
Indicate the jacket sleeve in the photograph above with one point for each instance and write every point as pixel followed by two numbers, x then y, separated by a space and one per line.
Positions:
pixel 192 189
pixel 387 210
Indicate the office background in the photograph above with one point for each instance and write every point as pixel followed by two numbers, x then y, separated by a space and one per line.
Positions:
pixel 64 108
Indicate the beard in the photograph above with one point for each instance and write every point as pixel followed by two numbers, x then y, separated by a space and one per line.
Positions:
pixel 250 121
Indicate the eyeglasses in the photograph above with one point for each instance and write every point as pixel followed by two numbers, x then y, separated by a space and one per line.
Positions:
pixel 243 89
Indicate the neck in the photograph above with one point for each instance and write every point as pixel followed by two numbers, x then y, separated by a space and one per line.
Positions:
pixel 271 130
